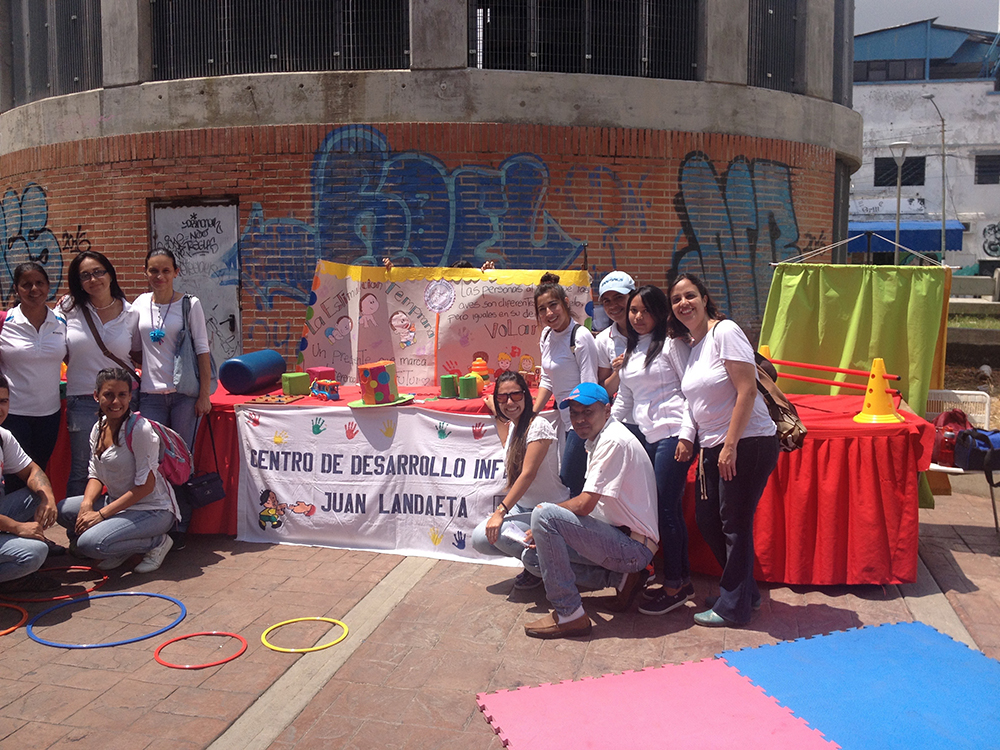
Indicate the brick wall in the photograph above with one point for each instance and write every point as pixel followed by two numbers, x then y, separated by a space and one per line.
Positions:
pixel 643 201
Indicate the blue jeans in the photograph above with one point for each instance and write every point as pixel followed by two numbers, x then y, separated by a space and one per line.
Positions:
pixel 572 550
pixel 81 416
pixel 18 556
pixel 725 518
pixel 128 532
pixel 671 479
pixel 519 517
pixel 173 410
pixel 573 469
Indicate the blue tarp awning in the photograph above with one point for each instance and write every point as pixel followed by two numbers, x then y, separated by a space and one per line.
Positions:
pixel 919 236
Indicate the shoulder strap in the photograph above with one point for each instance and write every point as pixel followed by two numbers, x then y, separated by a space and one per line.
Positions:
pixel 103 348
pixel 3 317
pixel 130 421
pixel 185 311
pixel 572 337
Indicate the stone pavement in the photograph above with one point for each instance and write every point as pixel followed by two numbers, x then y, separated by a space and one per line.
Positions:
pixel 425 638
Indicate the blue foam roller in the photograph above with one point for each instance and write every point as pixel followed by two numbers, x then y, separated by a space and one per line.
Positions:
pixel 252 372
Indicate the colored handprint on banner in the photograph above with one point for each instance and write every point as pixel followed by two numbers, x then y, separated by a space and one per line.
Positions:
pixel 463 336
pixel 351 430
pixel 436 535
pixel 280 437
pixel 451 367
pixel 389 428
pixel 478 430
pixel 253 418
pixel 442 432
pixel 304 509
pixel 318 425
pixel 459 542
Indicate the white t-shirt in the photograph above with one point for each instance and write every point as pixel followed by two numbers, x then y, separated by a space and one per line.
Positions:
pixel 653 396
pixel 158 359
pixel 546 487
pixel 563 369
pixel 121 469
pixel 711 395
pixel 31 361
pixel 13 458
pixel 619 470
pixel 120 336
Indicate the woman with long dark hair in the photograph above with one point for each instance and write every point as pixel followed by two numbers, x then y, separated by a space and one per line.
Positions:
pixel 568 357
pixel 650 391
pixel 101 331
pixel 532 465
pixel 139 508
pixel 738 442
pixel 32 348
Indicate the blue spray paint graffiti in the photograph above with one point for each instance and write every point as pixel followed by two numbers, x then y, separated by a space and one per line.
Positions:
pixel 26 236
pixel 735 226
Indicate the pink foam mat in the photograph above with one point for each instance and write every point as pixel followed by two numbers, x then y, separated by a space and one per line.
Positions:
pixel 699 704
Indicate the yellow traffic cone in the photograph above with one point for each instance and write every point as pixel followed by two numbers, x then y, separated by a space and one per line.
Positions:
pixel 878 408
pixel 765 351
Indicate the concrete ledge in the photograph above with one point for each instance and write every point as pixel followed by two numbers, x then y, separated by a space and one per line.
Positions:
pixel 973 306
pixel 973 347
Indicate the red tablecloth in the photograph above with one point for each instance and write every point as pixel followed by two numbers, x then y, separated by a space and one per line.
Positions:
pixel 841 510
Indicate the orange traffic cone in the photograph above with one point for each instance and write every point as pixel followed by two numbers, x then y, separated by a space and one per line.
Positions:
pixel 878 408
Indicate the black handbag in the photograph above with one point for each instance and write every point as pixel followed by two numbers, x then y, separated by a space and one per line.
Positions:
pixel 203 489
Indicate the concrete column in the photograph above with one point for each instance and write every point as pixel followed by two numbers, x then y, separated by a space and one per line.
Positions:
pixel 439 31
pixel 6 60
pixel 126 40
pixel 722 46
pixel 816 48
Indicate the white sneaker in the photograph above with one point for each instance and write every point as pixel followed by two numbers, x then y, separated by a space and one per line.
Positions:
pixel 154 558
pixel 110 563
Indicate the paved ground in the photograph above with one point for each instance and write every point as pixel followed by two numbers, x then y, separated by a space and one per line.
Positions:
pixel 425 638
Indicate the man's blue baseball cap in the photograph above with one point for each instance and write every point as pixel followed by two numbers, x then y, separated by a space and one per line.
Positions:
pixel 586 394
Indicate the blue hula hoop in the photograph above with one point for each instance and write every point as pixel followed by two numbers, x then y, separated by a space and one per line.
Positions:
pixel 39 639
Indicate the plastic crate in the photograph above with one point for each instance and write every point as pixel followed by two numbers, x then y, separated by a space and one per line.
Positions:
pixel 975 404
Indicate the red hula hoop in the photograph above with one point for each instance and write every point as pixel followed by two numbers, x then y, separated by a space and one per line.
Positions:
pixel 24 618
pixel 156 654
pixel 62 596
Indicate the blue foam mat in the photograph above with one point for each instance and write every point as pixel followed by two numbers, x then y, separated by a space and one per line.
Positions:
pixel 901 686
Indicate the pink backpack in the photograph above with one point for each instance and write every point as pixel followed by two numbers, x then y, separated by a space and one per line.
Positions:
pixel 176 463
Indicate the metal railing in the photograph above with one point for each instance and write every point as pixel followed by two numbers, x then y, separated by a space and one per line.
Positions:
pixel 644 38
pixel 196 38
pixel 773 44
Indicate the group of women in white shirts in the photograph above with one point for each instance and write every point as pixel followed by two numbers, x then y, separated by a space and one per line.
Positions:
pixel 685 377
pixel 101 337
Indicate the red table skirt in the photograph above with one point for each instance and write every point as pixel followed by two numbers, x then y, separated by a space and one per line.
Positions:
pixel 843 509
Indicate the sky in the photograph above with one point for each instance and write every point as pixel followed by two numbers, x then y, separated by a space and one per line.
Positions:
pixel 870 15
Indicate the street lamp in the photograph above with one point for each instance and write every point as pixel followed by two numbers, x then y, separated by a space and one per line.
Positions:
pixel 930 98
pixel 898 151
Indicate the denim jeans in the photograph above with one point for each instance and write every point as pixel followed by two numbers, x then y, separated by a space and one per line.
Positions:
pixel 725 519
pixel 81 416
pixel 671 479
pixel 173 410
pixel 18 556
pixel 128 532
pixel 37 437
pixel 572 551
pixel 573 470
pixel 518 517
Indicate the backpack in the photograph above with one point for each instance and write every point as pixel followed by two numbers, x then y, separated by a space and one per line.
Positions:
pixel 176 463
pixel 948 421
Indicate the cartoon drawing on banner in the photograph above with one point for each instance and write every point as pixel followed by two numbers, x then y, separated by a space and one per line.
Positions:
pixel 303 509
pixel 369 306
pixel 271 509
pixel 505 359
pixel 403 328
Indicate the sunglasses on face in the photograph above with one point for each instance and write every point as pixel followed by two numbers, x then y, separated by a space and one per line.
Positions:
pixel 516 396
pixel 97 273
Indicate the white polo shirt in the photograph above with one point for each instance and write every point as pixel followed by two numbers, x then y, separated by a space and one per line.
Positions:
pixel 31 361
pixel 610 343
pixel 619 470
pixel 12 458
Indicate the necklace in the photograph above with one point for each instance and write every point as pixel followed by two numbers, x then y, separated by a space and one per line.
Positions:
pixel 111 303
pixel 158 334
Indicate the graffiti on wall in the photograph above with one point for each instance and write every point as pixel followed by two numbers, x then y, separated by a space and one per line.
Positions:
pixel 617 206
pixel 991 240
pixel 25 235
pixel 735 225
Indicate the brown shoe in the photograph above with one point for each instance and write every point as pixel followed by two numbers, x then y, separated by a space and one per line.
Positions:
pixel 547 627
pixel 634 583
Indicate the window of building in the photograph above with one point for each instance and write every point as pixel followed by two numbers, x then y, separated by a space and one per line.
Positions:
pixel 888 70
pixel 885 171
pixel 988 169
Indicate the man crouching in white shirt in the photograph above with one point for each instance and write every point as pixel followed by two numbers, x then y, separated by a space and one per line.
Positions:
pixel 606 535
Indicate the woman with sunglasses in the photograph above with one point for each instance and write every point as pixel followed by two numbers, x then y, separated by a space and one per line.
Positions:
pixel 532 465
pixel 102 330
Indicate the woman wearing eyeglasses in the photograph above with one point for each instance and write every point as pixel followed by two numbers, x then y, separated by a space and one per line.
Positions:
pixel 102 330
pixel 532 465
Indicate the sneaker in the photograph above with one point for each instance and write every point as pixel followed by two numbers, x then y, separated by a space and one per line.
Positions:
pixel 526 580
pixel 630 589
pixel 110 563
pixel 666 602
pixel 154 558
pixel 711 600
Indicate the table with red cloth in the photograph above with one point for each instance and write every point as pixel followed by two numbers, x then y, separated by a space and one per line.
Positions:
pixel 843 509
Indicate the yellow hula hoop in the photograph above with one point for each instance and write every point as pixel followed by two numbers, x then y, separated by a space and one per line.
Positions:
pixel 263 636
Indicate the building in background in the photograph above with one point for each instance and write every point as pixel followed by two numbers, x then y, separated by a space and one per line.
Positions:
pixel 900 74
pixel 256 137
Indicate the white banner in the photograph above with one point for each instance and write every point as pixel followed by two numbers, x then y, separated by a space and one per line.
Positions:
pixel 390 479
